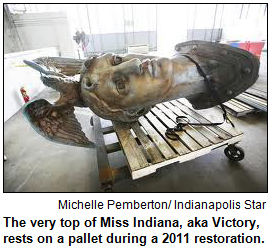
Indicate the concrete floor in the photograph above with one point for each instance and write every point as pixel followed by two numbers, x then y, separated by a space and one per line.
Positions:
pixel 37 165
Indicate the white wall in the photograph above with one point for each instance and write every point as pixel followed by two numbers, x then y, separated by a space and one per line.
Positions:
pixel 41 30
pixel 245 22
pixel 17 74
pixel 171 26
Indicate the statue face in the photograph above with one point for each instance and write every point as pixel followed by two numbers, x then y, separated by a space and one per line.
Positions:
pixel 111 83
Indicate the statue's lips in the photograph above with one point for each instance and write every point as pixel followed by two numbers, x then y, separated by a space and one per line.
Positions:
pixel 150 66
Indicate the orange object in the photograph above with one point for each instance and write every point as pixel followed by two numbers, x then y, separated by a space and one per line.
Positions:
pixel 24 94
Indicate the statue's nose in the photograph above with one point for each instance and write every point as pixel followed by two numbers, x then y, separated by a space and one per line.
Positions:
pixel 129 67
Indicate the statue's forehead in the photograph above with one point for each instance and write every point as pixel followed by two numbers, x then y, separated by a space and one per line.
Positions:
pixel 101 74
pixel 94 68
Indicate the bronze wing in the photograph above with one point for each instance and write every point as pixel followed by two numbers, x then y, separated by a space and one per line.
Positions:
pixel 56 123
pixel 65 66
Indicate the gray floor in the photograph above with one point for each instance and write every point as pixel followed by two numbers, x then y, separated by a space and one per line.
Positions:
pixel 38 165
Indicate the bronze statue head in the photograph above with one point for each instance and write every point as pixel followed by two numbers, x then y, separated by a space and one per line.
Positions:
pixel 124 86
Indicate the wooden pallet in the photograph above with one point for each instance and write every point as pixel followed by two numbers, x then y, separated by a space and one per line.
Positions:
pixel 238 108
pixel 146 147
pixel 253 101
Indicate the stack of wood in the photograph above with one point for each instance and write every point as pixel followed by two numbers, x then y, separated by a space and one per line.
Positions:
pixel 252 100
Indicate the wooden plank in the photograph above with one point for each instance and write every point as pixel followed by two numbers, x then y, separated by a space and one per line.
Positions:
pixel 236 114
pixel 248 99
pixel 108 129
pixel 244 109
pixel 196 136
pixel 149 147
pixel 233 107
pixel 236 109
pixel 232 112
pixel 105 172
pixel 252 102
pixel 258 93
pixel 184 137
pixel 114 147
pixel 218 131
pixel 207 136
pixel 135 157
pixel 177 145
pixel 259 100
pixel 241 104
pixel 157 139
pixel 215 115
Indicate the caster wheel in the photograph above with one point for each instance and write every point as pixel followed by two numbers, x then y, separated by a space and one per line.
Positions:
pixel 234 153
pixel 91 121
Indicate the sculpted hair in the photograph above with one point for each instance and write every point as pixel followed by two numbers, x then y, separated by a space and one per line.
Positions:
pixel 87 66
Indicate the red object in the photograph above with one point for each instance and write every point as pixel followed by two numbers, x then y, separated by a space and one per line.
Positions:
pixel 24 94
pixel 253 47
pixel 256 48
pixel 244 46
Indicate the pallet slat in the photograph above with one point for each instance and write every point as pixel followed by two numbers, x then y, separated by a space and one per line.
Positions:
pixel 253 102
pixel 108 129
pixel 189 142
pixel 241 104
pixel 237 108
pixel 256 99
pixel 257 93
pixel 212 114
pixel 204 136
pixel 157 139
pixel 220 132
pixel 149 147
pixel 177 145
pixel 233 107
pixel 113 147
pixel 197 137
pixel 135 157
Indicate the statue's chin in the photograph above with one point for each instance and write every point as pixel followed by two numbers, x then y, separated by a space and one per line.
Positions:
pixel 103 110
pixel 126 116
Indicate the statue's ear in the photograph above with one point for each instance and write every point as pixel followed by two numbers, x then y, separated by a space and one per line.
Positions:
pixel 86 66
pixel 56 123
pixel 88 62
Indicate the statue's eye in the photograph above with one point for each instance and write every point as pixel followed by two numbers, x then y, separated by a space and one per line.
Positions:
pixel 88 84
pixel 117 60
pixel 121 85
